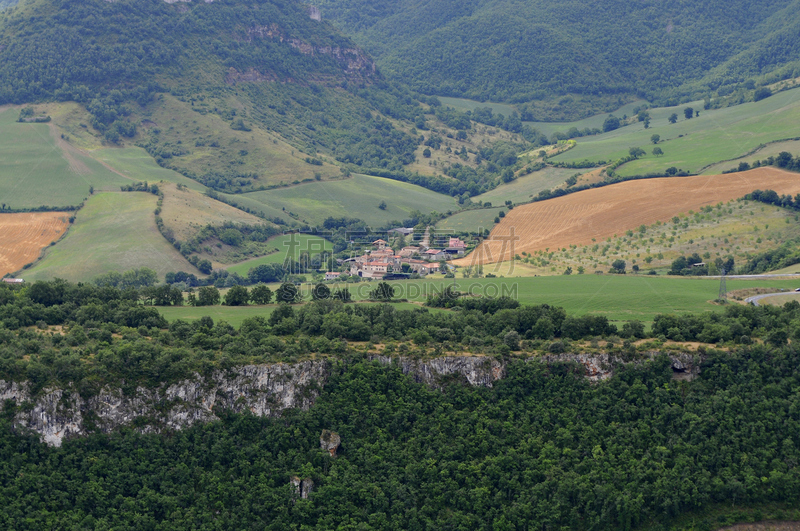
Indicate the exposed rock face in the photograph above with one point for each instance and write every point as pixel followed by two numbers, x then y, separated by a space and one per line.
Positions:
pixel 478 370
pixel 354 62
pixel 303 487
pixel 264 390
pixel 330 442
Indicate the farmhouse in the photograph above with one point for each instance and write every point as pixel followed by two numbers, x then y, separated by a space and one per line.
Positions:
pixel 332 275
pixel 402 230
pixel 456 246
pixel 13 280
pixel 380 244
pixel 408 252
pixel 434 255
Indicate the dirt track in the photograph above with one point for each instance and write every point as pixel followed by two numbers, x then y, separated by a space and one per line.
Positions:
pixel 601 213
pixel 23 236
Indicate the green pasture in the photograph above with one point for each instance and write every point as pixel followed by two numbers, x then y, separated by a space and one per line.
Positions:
pixel 769 150
pixel 470 220
pixel 356 197
pixel 34 171
pixel 464 105
pixel 694 144
pixel 525 188
pixel 138 165
pixel 592 122
pixel 112 232
pixel 287 245
pixel 618 297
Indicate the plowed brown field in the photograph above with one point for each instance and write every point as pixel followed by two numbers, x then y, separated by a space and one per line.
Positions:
pixel 23 236
pixel 603 212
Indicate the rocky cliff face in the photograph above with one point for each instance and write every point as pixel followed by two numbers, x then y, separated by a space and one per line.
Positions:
pixel 477 370
pixel 264 390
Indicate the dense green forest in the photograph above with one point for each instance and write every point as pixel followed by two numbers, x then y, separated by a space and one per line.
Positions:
pixel 506 50
pixel 543 448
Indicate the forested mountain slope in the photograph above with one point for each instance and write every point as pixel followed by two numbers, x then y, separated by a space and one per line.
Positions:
pixel 519 51
pixel 265 66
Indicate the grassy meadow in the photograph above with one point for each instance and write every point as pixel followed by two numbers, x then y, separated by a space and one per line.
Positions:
pixel 284 245
pixel 113 232
pixel 36 168
pixel 618 297
pixel 470 220
pixel 692 145
pixel 356 197
pixel 525 188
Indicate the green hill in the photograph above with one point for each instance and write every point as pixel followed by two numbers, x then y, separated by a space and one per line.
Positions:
pixel 241 95
pixel 506 50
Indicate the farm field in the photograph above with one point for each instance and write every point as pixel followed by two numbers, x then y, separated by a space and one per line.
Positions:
pixel 37 168
pixel 186 211
pixel 592 122
pixel 356 197
pixel 286 245
pixel 113 232
pixel 525 188
pixel 470 220
pixel 770 150
pixel 137 165
pixel 736 229
pixel 24 235
pixel 716 135
pixel 594 215
pixel 618 297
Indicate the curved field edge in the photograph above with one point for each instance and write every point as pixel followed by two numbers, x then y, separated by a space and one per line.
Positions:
pixel 112 232
pixel 600 213
pixel 24 235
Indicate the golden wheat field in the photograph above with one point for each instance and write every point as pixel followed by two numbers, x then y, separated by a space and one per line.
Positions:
pixel 24 235
pixel 600 213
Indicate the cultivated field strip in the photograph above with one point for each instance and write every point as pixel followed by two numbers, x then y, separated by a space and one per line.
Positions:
pixel 594 215
pixel 23 236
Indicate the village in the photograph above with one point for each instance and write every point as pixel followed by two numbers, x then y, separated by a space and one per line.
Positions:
pixel 382 261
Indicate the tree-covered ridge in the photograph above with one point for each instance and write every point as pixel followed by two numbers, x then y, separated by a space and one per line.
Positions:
pixel 522 51
pixel 543 448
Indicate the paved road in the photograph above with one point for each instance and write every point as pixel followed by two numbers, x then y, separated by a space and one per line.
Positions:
pixel 754 299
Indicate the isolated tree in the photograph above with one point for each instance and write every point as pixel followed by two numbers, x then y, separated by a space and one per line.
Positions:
pixel 320 292
pixel 611 123
pixel 207 296
pixel 688 112
pixel 672 170
pixel 287 293
pixel 426 153
pixel 655 139
pixel 647 123
pixel 673 118
pixel 237 296
pixel 636 152
pixel 383 292
pixel 342 295
pixel 618 266
pixel 657 151
pixel 261 294
pixel 382 205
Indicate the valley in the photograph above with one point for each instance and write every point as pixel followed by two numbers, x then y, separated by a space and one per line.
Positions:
pixel 399 265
